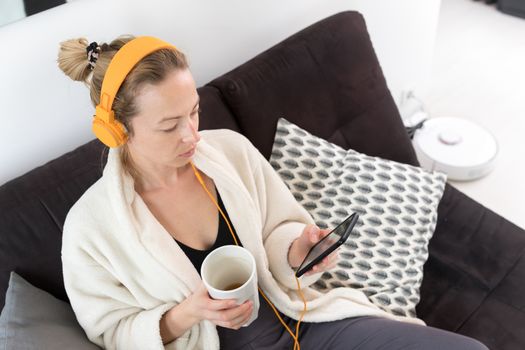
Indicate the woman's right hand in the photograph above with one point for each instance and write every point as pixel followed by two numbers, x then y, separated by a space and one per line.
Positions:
pixel 224 313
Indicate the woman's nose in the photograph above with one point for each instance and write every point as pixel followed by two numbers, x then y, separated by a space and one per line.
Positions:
pixel 191 134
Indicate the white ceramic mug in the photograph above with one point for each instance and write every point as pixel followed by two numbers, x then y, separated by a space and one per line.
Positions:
pixel 229 272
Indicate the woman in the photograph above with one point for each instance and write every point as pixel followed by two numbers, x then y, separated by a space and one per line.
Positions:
pixel 134 242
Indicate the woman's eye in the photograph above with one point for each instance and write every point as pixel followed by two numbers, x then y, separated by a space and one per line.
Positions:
pixel 192 114
pixel 169 130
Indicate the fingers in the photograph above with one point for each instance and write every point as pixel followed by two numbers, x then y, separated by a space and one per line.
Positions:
pixel 331 261
pixel 333 256
pixel 242 319
pixel 318 234
pixel 331 265
pixel 324 232
pixel 314 234
pixel 223 312
pixel 220 304
pixel 234 317
pixel 308 232
pixel 212 304
pixel 328 262
pixel 236 312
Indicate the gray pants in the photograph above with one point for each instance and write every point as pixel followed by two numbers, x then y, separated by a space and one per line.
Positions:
pixel 363 333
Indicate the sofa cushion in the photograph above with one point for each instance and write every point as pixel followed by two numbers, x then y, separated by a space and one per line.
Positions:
pixel 214 114
pixel 473 280
pixel 326 79
pixel 33 208
pixel 397 204
pixel 34 319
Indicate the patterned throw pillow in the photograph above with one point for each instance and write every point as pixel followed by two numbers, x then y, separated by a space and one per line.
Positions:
pixel 397 204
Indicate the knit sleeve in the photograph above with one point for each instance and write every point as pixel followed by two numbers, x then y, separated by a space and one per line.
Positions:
pixel 283 221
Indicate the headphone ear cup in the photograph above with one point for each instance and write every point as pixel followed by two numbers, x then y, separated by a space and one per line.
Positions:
pixel 111 134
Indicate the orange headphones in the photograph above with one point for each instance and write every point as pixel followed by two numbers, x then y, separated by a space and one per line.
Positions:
pixel 105 127
pixel 113 134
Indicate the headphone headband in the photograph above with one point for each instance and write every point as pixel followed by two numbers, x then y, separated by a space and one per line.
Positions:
pixel 105 127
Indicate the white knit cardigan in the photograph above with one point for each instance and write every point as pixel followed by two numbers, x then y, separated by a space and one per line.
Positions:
pixel 123 271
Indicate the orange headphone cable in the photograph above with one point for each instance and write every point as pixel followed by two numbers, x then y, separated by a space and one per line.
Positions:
pixel 295 337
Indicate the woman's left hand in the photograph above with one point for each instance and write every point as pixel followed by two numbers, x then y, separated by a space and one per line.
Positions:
pixel 301 246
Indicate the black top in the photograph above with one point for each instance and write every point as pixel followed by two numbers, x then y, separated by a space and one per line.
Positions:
pixel 224 237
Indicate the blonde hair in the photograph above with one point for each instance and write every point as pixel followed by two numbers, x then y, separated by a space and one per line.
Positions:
pixel 152 69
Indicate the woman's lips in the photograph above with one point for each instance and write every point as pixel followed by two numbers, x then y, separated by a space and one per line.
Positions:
pixel 189 153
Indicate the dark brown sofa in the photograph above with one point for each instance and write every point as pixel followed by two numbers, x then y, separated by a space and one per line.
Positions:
pixel 326 79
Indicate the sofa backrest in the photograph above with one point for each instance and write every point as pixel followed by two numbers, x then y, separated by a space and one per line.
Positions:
pixel 326 78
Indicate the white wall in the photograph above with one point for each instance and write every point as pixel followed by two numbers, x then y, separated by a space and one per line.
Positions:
pixel 45 114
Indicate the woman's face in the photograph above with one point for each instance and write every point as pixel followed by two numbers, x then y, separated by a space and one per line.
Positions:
pixel 166 127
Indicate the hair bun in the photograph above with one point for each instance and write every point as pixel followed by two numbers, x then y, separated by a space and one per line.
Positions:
pixel 73 60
